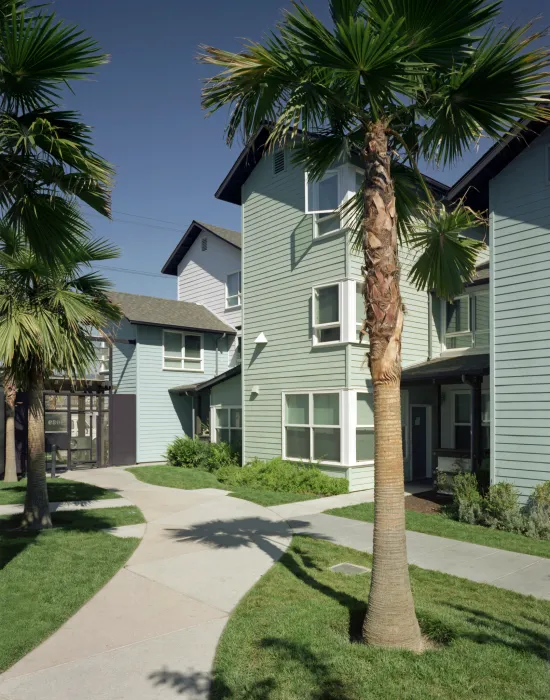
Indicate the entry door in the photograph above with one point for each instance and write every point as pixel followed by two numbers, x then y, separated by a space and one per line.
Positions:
pixel 420 450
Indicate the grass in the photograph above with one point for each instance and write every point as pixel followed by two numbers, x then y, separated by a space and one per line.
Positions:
pixel 180 478
pixel 92 519
pixel 58 490
pixel 304 645
pixel 46 577
pixel 443 526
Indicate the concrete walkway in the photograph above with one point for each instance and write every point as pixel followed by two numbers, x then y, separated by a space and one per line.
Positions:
pixel 152 631
pixel 63 506
pixel 518 572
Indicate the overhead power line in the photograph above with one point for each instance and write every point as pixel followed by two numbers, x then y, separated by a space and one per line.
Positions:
pixel 131 271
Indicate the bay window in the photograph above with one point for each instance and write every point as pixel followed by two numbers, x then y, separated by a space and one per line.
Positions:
pixel 364 442
pixel 326 314
pixel 182 351
pixel 312 429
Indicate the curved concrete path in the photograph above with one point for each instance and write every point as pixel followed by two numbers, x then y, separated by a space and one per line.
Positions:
pixel 152 631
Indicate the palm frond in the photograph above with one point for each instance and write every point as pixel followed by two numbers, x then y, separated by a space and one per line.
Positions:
pixel 446 256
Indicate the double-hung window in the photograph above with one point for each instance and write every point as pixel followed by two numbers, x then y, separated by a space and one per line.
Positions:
pixel 364 442
pixel 233 290
pixel 102 354
pixel 323 199
pixel 462 420
pixel 182 351
pixel 326 314
pixel 229 427
pixel 359 311
pixel 467 322
pixel 312 426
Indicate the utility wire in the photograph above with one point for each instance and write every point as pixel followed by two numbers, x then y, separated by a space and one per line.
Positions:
pixel 132 272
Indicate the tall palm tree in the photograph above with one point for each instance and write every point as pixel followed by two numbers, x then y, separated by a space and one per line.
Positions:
pixel 46 316
pixel 10 463
pixel 394 81
pixel 46 154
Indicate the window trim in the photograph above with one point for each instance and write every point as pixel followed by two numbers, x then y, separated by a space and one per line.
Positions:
pixel 474 347
pixel 310 425
pixel 362 426
pixel 454 394
pixel 359 325
pixel 238 295
pixel 321 326
pixel 183 356
pixel 214 420
pixel 456 334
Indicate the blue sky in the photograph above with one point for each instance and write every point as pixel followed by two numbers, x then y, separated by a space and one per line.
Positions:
pixel 145 110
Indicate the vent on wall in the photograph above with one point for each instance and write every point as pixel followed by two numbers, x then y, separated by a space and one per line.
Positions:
pixel 204 243
pixel 278 162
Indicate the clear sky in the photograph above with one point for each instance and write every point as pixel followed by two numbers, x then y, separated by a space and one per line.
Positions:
pixel 145 109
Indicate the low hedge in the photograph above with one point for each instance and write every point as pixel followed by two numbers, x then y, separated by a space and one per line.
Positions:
pixel 193 453
pixel 279 475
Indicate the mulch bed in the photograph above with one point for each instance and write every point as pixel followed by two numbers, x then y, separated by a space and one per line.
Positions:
pixel 428 502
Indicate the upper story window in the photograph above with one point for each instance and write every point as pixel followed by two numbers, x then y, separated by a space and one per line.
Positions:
pixel 102 354
pixel 323 198
pixel 359 310
pixel 183 351
pixel 326 314
pixel 233 290
pixel 467 322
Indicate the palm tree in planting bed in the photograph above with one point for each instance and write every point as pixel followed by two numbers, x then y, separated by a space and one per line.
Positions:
pixel 46 317
pixel 46 158
pixel 394 81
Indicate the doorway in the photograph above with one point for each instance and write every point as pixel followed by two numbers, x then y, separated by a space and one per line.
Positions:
pixel 421 441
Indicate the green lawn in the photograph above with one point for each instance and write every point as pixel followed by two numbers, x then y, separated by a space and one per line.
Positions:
pixel 58 490
pixel 45 578
pixel 303 645
pixel 180 478
pixel 92 519
pixel 442 526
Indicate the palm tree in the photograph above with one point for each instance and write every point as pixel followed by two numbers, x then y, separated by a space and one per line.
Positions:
pixel 393 81
pixel 46 155
pixel 10 463
pixel 46 315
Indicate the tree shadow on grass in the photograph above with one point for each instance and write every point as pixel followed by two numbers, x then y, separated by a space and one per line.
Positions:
pixel 198 684
pixel 495 630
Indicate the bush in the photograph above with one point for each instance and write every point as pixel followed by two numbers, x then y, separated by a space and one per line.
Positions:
pixel 501 509
pixel 278 475
pixel 467 500
pixel 537 516
pixel 193 453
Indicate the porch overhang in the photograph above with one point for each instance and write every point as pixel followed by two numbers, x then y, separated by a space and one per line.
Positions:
pixel 456 369
pixel 193 389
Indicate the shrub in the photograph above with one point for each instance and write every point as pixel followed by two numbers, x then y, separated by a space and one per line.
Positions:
pixel 467 499
pixel 540 498
pixel 193 453
pixel 278 475
pixel 501 509
pixel 537 512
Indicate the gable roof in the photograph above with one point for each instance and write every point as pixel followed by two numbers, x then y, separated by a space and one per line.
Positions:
pixel 250 156
pixel 475 182
pixel 168 313
pixel 190 236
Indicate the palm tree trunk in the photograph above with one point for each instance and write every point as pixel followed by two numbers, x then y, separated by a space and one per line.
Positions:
pixel 37 507
pixel 391 618
pixel 10 463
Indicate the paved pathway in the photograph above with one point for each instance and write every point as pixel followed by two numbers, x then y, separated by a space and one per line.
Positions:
pixel 152 631
pixel 15 508
pixel 518 572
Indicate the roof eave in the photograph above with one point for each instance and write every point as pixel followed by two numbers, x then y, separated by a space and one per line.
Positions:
pixel 137 322
pixel 180 251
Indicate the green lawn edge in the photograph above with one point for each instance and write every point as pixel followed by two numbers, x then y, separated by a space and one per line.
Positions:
pixel 190 479
pixel 305 644
pixel 59 490
pixel 442 526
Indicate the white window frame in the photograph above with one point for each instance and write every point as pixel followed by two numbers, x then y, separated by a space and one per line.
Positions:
pixel 312 207
pixel 321 326
pixel 310 425
pixel 472 301
pixel 453 414
pixel 458 334
pixel 214 420
pixel 183 356
pixel 238 295
pixel 103 362
pixel 361 426
pixel 358 324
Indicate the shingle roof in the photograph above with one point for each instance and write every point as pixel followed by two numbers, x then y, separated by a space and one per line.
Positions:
pixel 208 384
pixel 444 369
pixel 154 311
pixel 190 236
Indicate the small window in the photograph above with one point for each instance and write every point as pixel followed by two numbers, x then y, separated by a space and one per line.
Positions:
pixel 462 421
pixel 326 314
pixel 233 290
pixel 183 351
pixel 458 331
pixel 102 354
pixel 365 428
pixel 323 198
pixel 229 427
pixel 312 427
pixel 279 162
pixel 204 243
